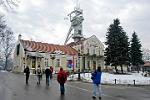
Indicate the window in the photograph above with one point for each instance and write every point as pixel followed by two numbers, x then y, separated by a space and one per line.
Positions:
pixel 79 32
pixel 93 50
pixel 88 65
pixel 76 63
pixel 57 62
pixel 18 49
pixel 33 62
pixel 46 62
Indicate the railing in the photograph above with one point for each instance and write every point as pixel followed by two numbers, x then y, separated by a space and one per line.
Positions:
pixel 131 82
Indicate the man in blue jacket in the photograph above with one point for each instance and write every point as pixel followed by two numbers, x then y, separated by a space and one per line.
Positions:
pixel 96 78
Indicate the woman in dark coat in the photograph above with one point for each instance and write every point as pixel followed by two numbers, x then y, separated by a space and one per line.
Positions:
pixel 27 72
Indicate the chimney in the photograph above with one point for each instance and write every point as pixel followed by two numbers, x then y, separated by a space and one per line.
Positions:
pixel 19 37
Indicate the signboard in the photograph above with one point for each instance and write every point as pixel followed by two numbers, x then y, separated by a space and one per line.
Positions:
pixel 69 63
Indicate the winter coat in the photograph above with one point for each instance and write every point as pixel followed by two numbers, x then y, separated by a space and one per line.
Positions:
pixel 47 72
pixel 27 70
pixel 62 76
pixel 51 68
pixel 96 77
pixel 39 71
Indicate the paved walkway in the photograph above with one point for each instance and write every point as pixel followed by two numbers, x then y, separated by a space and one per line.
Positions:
pixel 12 87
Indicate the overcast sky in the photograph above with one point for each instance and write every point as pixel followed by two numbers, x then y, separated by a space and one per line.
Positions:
pixel 43 20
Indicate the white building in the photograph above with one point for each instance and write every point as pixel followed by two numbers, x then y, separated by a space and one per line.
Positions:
pixel 90 51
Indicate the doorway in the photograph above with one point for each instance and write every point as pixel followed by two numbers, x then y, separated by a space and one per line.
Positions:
pixel 94 65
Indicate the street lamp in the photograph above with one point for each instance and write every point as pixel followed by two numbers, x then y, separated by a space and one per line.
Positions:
pixel 79 78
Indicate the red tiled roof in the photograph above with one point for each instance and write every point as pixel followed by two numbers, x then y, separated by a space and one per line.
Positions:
pixel 47 48
pixel 147 64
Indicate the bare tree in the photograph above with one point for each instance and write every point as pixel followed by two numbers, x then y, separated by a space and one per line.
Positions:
pixel 2 27
pixel 7 46
pixel 9 4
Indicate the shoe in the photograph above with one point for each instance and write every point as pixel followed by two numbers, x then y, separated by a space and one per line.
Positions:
pixel 100 98
pixel 93 97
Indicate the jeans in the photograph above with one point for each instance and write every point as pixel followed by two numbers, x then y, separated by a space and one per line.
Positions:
pixel 47 80
pixel 39 78
pixel 96 88
pixel 27 78
pixel 62 88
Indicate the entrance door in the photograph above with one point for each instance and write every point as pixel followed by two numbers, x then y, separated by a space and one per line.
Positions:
pixel 94 65
pixel 33 64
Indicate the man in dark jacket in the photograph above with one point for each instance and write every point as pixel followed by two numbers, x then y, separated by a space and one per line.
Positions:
pixel 96 78
pixel 61 78
pixel 27 72
pixel 47 73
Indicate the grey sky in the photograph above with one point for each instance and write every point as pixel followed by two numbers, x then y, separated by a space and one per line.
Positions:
pixel 43 20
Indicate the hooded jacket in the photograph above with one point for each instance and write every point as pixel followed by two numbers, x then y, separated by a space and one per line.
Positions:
pixel 62 76
pixel 96 77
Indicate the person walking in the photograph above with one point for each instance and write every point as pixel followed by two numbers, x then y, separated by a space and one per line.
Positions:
pixel 51 74
pixel 47 73
pixel 27 72
pixel 61 78
pixel 39 74
pixel 96 78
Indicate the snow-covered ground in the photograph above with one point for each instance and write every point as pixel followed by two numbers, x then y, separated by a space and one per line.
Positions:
pixel 3 71
pixel 120 79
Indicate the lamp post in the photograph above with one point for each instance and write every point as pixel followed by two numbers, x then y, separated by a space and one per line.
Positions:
pixel 79 78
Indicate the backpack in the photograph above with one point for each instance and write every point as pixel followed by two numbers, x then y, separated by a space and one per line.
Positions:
pixel 39 71
pixel 62 78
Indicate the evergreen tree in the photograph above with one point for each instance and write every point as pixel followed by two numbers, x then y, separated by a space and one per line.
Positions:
pixel 117 51
pixel 136 52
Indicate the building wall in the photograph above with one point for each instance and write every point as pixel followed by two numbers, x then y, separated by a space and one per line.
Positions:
pixel 47 61
pixel 93 45
pixel 93 51
pixel 18 59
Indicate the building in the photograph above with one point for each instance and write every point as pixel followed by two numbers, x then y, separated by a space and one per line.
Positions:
pixel 91 53
pixel 33 54
pixel 146 66
pixel 84 54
